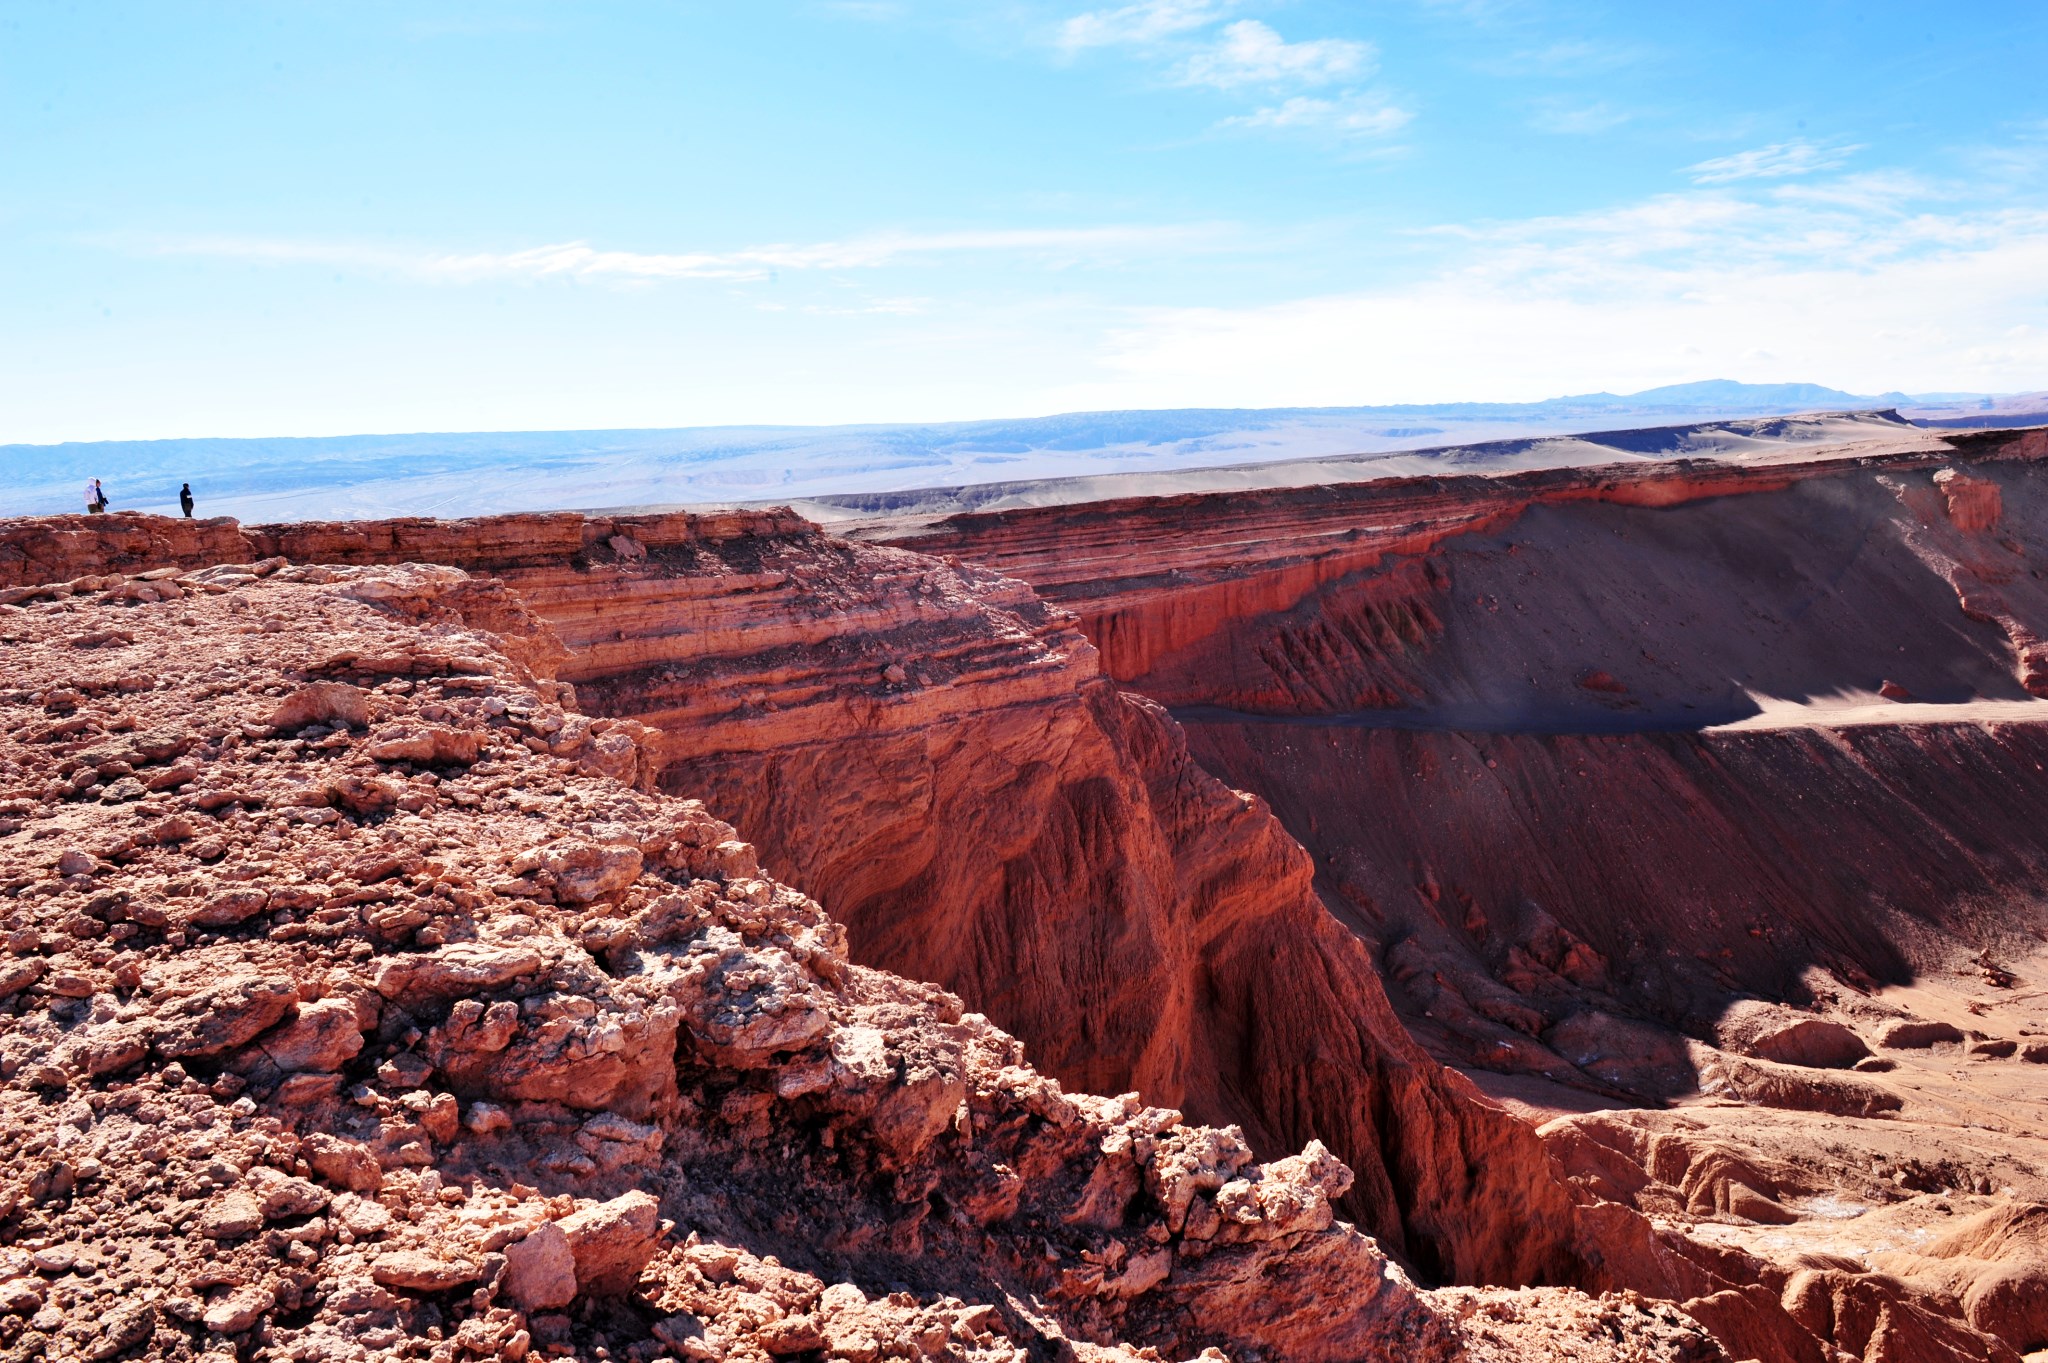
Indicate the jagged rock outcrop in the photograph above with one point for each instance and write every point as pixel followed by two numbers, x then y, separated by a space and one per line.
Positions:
pixel 933 751
pixel 626 998
pixel 523 1056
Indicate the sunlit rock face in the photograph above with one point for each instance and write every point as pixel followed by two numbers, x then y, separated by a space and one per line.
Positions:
pixel 1682 810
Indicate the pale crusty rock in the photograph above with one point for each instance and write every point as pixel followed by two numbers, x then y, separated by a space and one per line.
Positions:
pixel 612 1241
pixel 421 1271
pixel 428 744
pixel 323 1037
pixel 540 1270
pixel 239 1309
pixel 344 1163
pixel 236 1214
pixel 578 871
pixel 333 703
pixel 279 1195
pixel 229 907
pixel 221 1017
pixel 461 968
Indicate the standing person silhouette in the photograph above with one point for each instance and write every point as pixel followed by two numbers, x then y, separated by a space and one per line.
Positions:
pixel 95 497
pixel 185 500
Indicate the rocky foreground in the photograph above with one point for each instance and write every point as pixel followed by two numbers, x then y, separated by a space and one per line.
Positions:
pixel 362 1001
pixel 374 987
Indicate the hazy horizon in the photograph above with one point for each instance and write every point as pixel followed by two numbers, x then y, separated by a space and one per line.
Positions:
pixel 1740 399
pixel 477 472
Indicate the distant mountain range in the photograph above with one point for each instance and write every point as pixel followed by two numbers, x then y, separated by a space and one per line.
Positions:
pixel 470 473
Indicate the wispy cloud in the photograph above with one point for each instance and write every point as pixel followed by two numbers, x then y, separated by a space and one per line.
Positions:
pixel 1140 24
pixel 1195 48
pixel 1866 283
pixel 1567 118
pixel 1776 161
pixel 1251 53
pixel 580 260
pixel 1355 116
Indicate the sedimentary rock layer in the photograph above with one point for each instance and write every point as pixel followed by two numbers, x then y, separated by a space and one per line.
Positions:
pixel 937 754
pixel 361 1001
pixel 1509 708
pixel 1166 586
pixel 933 751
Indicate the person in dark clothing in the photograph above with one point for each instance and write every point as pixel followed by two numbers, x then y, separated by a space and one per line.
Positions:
pixel 185 500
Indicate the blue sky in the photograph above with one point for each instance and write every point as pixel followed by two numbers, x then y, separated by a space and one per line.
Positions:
pixel 249 219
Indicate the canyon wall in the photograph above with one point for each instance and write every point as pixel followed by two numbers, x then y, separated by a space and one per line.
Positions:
pixel 1626 741
pixel 358 1000
pixel 933 752
pixel 1578 760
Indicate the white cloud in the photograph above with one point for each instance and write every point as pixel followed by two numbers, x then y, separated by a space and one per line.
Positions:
pixel 1777 161
pixel 1853 291
pixel 1247 56
pixel 580 260
pixel 1140 24
pixel 1351 116
pixel 1248 53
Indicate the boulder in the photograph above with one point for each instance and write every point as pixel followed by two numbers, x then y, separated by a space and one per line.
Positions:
pixel 321 1039
pixel 426 745
pixel 239 1310
pixel 230 907
pixel 419 1270
pixel 332 703
pixel 1917 1034
pixel 223 1016
pixel 351 1164
pixel 456 969
pixel 1770 1031
pixel 279 1196
pixel 583 871
pixel 612 1242
pixel 232 1216
pixel 540 1270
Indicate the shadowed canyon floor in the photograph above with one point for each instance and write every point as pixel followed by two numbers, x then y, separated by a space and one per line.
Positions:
pixel 1636 894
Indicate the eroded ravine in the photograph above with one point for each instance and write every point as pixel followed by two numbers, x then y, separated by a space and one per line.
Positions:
pixel 934 752
pixel 938 757
pixel 1638 719
pixel 1602 768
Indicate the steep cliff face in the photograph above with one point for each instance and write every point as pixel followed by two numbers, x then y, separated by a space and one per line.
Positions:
pixel 360 1002
pixel 1578 760
pixel 1518 883
pixel 1640 783
pixel 1629 740
pixel 933 751
pixel 1150 577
